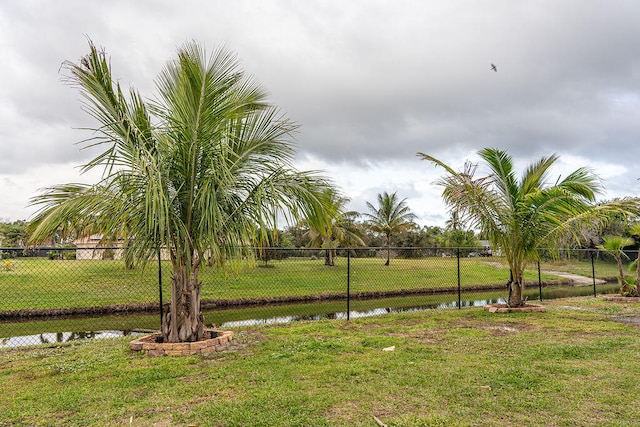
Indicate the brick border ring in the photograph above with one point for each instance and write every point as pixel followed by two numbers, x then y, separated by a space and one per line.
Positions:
pixel 503 308
pixel 214 341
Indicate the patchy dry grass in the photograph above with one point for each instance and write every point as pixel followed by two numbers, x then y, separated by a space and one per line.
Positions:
pixel 574 365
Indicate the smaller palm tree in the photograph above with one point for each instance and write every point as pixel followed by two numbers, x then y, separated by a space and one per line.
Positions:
pixel 389 217
pixel 521 214
pixel 615 245
pixel 334 229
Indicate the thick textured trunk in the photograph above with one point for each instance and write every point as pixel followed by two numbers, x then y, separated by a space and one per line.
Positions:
pixel 184 321
pixel 516 288
pixel 328 257
pixel 515 294
pixel 329 253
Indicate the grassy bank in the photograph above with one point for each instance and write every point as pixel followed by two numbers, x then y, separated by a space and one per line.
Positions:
pixel 574 365
pixel 42 283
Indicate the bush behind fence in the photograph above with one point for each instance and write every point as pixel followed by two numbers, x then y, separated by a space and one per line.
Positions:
pixel 40 287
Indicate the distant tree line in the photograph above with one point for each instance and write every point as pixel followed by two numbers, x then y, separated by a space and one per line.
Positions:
pixel 15 234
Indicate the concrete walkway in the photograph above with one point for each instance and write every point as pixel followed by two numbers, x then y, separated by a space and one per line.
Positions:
pixel 576 278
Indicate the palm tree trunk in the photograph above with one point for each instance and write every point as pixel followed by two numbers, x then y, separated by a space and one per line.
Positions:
pixel 516 287
pixel 620 271
pixel 515 294
pixel 625 289
pixel 388 249
pixel 328 257
pixel 184 321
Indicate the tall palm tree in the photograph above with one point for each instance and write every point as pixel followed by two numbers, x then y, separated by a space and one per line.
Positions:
pixel 519 216
pixel 197 171
pixel 336 229
pixel 389 217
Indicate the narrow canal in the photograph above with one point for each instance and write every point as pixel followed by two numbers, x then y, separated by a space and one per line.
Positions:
pixel 59 330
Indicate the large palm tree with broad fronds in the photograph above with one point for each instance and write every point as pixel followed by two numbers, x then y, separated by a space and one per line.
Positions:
pixel 198 171
pixel 521 215
pixel 391 216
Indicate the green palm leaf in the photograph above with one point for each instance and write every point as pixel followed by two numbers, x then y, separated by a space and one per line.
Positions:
pixel 520 216
pixel 198 170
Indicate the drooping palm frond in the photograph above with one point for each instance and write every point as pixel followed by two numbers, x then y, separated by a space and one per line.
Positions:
pixel 521 215
pixel 333 226
pixel 210 170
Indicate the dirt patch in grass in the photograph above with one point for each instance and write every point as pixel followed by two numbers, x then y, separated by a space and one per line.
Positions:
pixel 352 413
pixel 571 307
pixel 346 412
pixel 505 326
pixel 501 330
pixel 628 320
pixel 242 343
pixel 430 337
pixel 365 327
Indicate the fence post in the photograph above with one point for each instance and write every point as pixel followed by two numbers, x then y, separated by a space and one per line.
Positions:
pixel 539 281
pixel 459 291
pixel 593 273
pixel 348 282
pixel 160 284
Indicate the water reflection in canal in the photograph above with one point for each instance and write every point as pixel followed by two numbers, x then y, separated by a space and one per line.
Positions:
pixel 49 331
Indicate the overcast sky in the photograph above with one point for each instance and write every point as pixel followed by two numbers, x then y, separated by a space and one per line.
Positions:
pixel 369 82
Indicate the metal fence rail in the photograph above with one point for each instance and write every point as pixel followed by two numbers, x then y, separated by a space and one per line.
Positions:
pixel 59 294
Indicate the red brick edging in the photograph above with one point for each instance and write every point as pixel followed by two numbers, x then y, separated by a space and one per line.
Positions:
pixel 216 342
pixel 502 308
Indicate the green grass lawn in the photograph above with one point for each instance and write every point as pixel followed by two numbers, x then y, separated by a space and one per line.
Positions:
pixel 576 364
pixel 43 283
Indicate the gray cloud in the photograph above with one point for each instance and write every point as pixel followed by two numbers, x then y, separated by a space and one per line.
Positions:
pixel 369 82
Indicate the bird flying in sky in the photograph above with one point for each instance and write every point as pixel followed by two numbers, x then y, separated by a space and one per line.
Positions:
pixel 494 68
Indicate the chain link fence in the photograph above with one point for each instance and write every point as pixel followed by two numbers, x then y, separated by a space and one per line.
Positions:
pixel 50 295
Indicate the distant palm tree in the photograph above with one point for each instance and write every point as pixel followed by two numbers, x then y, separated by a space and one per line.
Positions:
pixel 519 216
pixel 198 171
pixel 336 229
pixel 615 245
pixel 453 223
pixel 389 217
